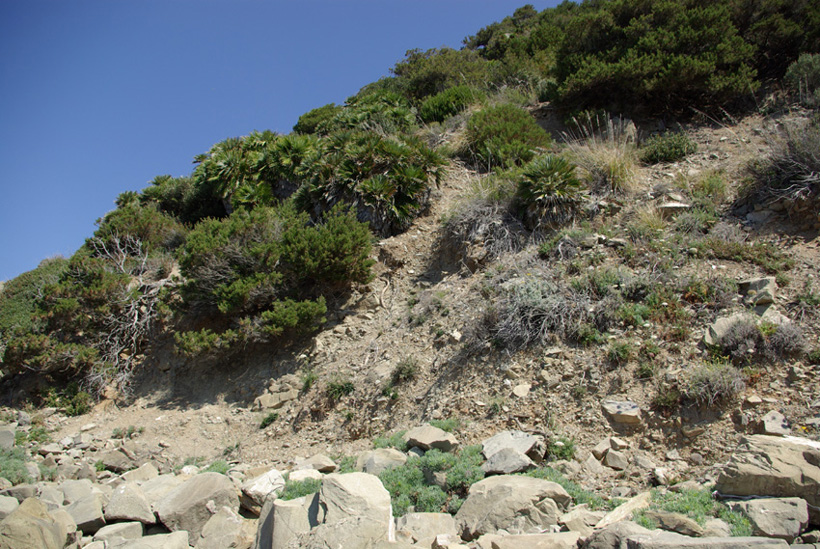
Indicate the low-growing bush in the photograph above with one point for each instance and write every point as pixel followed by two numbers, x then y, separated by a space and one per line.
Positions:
pixel 578 494
pixel 504 136
pixel 667 147
pixel 13 465
pixel 619 353
pixel 792 170
pixel 396 440
pixel 405 371
pixel 269 420
pixel 699 505
pixel 298 488
pixel 313 120
pixel 561 447
pixel 446 104
pixel 338 388
pixel 413 482
pixel 604 150
pixel 748 341
pixel 713 382
pixel 550 191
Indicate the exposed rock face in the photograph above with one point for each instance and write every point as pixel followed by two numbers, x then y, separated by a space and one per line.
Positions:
pixel 512 503
pixel 189 506
pixel 774 466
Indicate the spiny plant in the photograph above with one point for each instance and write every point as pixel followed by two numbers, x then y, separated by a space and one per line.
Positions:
pixel 550 190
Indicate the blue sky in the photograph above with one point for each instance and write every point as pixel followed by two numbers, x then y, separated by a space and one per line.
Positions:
pixel 99 96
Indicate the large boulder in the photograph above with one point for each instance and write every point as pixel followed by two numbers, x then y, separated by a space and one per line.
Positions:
pixel 31 525
pixel 422 528
pixel 225 530
pixel 174 540
pixel 256 490
pixel 774 466
pixel 427 437
pixel 128 503
pixel 190 505
pixel 381 459
pixel 784 518
pixel 353 511
pixel 516 504
pixel 533 446
pixel 558 540
pixel 507 461
pixel 87 513
pixel 614 535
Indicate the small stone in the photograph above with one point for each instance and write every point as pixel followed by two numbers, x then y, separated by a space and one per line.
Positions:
pixel 522 390
pixel 774 423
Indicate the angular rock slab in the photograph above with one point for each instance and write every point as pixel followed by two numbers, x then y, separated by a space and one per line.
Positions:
pixel 660 539
pixel 188 506
pixel 784 518
pixel 381 459
pixel 226 529
pixel 424 527
pixel 256 490
pixel 512 503
pixel 174 540
pixel 128 502
pixel 355 495
pixel 774 466
pixel 507 461
pixel 560 540
pixel 31 525
pixel 427 437
pixel 622 411
pixel 533 446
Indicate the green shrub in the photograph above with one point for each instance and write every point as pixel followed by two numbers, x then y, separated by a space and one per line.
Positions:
pixel 699 505
pixel 299 488
pixel 746 341
pixel 266 272
pixel 134 230
pixel 339 387
pixel 219 466
pixel 379 111
pixel 549 190
pixel 389 180
pixel 269 420
pixel 396 440
pixel 561 447
pixel 127 433
pixel 803 78
pixel 667 147
pixel 450 425
pixel 405 371
pixel 313 120
pixel 504 136
pixel 446 104
pixel 18 300
pixel 619 353
pixel 663 55
pixel 763 254
pixel 425 73
pixel 13 466
pixel 411 484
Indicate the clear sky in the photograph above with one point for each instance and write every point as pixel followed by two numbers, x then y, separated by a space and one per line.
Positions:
pixel 100 96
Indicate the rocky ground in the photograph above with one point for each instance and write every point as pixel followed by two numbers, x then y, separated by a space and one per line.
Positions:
pixel 419 315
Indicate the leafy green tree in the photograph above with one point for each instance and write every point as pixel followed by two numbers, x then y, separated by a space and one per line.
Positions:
pixel 425 73
pixel 311 121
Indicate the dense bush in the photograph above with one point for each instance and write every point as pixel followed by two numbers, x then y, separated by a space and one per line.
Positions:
pixel 603 147
pixel 313 120
pixel 446 104
pixel 186 199
pixel 425 73
pixel 144 224
pixel 412 483
pixel 381 111
pixel 268 270
pixel 747 341
pixel 667 147
pixel 19 297
pixel 387 180
pixel 803 77
pixel 550 191
pixel 504 136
